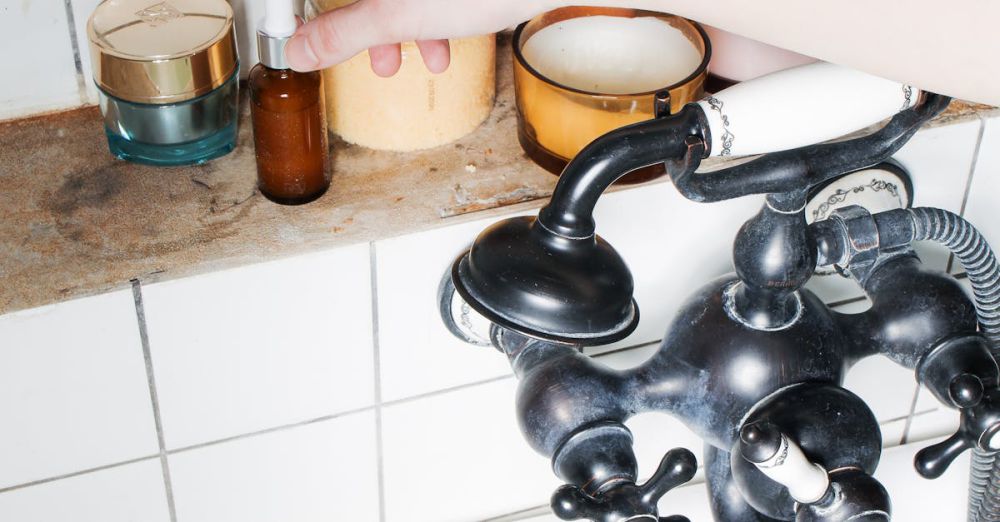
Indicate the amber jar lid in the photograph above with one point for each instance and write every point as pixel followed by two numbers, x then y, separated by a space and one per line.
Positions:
pixel 146 51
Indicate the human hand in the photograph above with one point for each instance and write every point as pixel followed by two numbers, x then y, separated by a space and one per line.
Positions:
pixel 379 26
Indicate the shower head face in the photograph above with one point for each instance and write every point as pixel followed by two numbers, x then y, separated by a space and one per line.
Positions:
pixel 521 276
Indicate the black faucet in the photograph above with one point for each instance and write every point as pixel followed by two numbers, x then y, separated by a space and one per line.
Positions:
pixel 753 362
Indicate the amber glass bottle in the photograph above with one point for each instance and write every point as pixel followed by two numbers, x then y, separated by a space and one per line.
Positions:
pixel 289 132
pixel 289 116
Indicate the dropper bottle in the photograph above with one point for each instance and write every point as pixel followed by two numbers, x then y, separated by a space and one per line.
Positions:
pixel 289 116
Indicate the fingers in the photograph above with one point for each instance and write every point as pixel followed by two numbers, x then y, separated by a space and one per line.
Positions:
pixel 336 36
pixel 385 59
pixel 436 54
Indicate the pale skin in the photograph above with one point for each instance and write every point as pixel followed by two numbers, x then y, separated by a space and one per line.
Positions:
pixel 950 48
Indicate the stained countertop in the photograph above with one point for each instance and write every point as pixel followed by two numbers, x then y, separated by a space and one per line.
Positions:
pixel 75 221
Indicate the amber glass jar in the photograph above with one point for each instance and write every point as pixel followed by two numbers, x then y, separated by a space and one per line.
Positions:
pixel 556 121
pixel 289 124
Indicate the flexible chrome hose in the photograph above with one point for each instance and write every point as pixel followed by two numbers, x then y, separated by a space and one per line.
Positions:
pixel 971 249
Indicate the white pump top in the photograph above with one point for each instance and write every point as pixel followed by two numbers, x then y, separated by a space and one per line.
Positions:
pixel 275 29
pixel 279 19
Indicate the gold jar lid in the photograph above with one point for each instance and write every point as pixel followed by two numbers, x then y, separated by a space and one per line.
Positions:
pixel 149 51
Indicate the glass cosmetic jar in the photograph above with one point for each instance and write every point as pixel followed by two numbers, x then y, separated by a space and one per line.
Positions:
pixel 168 77
pixel 583 80
pixel 414 109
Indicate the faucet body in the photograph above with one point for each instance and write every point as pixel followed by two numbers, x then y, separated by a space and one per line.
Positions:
pixel 753 363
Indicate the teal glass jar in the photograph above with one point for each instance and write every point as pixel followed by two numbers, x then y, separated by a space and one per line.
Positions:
pixel 168 79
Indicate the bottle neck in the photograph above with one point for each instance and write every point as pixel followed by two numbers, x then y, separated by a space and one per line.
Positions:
pixel 271 50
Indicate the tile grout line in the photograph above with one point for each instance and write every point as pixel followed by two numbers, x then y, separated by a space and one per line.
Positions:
pixel 81 82
pixel 283 427
pixel 521 514
pixel 845 302
pixel 909 418
pixel 147 356
pixel 968 182
pixel 266 431
pixel 498 378
pixel 443 391
pixel 377 367
pixel 972 167
pixel 77 473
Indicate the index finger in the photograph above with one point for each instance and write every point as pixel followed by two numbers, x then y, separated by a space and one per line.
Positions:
pixel 338 35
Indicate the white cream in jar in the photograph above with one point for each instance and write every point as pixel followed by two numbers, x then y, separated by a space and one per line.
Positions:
pixel 612 55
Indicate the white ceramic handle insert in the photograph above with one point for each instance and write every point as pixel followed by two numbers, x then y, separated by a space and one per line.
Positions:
pixel 806 482
pixel 800 106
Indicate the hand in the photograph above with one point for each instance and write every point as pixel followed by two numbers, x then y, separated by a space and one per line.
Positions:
pixel 379 25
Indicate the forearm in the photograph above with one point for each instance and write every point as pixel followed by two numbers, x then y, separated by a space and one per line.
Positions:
pixel 911 41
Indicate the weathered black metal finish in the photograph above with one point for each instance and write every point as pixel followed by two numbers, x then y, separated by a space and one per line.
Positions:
pixel 521 276
pixel 626 500
pixel 752 353
pixel 833 427
pixel 552 277
pixel 759 441
pixel 853 496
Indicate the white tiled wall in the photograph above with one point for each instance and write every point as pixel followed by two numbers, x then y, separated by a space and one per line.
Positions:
pixel 277 399
pixel 984 195
pixel 261 346
pixel 128 493
pixel 73 390
pixel 42 75
pixel 322 471
pixel 46 77
pixel 81 13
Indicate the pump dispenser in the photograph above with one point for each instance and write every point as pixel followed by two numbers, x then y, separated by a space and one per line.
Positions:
pixel 289 116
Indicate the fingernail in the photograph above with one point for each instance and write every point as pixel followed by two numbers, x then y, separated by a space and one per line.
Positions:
pixel 300 55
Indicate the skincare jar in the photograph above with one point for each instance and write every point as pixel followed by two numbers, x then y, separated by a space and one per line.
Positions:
pixel 414 109
pixel 580 72
pixel 168 77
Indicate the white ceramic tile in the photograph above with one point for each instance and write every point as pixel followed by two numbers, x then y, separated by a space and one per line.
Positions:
pixel 130 493
pixel 937 423
pixel 466 442
pixel 939 160
pixel 984 194
pixel 73 389
pixel 858 306
pixel 317 472
pixel 43 79
pixel 886 387
pixel 926 401
pixel 931 419
pixel 417 353
pixel 263 345
pixel 915 498
pixel 655 434
pixel 892 432
pixel 248 14
pixel 82 9
pixel 672 246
